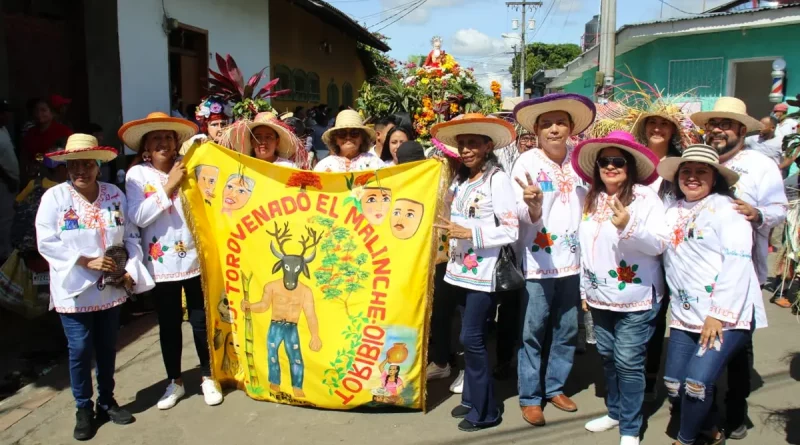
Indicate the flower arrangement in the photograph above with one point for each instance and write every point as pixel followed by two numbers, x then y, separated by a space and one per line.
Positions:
pixel 495 87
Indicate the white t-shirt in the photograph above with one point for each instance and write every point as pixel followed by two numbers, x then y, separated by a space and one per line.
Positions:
pixel 770 148
pixel 340 164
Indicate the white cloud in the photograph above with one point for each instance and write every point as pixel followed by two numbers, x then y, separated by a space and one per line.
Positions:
pixel 570 5
pixel 489 56
pixel 471 42
pixel 395 9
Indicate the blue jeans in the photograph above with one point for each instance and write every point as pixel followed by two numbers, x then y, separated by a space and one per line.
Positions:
pixel 622 343
pixel 286 333
pixel 692 378
pixel 91 333
pixel 478 385
pixel 550 308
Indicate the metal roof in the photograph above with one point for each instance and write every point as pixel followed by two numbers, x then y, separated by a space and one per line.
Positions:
pixel 705 16
pixel 336 18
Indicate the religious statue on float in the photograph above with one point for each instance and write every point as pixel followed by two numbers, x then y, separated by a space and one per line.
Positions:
pixel 436 56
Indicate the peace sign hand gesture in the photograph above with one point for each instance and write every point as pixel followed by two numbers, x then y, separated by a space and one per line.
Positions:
pixel 532 196
pixel 454 230
pixel 621 216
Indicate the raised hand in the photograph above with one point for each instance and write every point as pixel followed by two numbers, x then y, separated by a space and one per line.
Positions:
pixel 621 215
pixel 532 196
pixel 175 178
pixel 453 230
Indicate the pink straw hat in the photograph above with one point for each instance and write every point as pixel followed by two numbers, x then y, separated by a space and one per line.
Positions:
pixel 585 156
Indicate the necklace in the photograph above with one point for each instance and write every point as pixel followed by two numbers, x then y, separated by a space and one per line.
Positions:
pixel 678 234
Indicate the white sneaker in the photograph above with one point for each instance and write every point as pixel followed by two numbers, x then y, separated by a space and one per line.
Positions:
pixel 435 372
pixel 211 393
pixel 604 423
pixel 171 397
pixel 629 440
pixel 457 387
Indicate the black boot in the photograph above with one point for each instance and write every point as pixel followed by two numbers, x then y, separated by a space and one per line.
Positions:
pixel 84 427
pixel 115 414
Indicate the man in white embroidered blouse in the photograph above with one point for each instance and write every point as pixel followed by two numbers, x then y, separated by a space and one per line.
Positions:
pixel 762 200
pixel 549 199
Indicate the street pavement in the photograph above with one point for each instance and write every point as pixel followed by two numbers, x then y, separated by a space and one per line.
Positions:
pixel 43 413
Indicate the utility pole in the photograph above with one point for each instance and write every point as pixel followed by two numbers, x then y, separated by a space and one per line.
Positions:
pixel 608 38
pixel 523 49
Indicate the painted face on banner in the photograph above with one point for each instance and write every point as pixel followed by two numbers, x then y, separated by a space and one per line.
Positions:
pixel 207 180
pixel 406 218
pixel 376 203
pixel 236 194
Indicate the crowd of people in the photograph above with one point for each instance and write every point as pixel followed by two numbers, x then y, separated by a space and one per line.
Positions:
pixel 618 230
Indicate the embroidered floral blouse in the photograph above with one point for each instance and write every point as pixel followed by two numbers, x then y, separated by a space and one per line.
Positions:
pixel 622 268
pixel 760 185
pixel 551 245
pixel 340 164
pixel 474 205
pixel 169 249
pixel 709 267
pixel 69 227
pixel 283 162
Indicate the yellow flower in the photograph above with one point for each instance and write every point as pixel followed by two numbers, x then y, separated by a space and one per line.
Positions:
pixel 454 108
pixel 425 81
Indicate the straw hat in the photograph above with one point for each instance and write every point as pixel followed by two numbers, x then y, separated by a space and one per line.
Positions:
pixel 501 132
pixel 287 141
pixel 132 132
pixel 668 167
pixel 727 108
pixel 669 112
pixel 347 119
pixel 447 150
pixel 507 107
pixel 585 156
pixel 580 108
pixel 83 146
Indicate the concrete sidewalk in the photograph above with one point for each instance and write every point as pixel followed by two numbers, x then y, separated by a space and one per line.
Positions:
pixel 45 414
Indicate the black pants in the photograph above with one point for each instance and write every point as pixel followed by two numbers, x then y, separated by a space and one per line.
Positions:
pixel 739 386
pixel 508 326
pixel 445 301
pixel 655 346
pixel 170 318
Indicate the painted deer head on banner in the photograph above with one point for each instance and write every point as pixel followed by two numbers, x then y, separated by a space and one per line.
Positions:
pixel 292 265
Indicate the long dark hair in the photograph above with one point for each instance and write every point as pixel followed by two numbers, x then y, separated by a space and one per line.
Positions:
pixel 386 154
pixel 491 163
pixel 396 376
pixel 624 194
pixel 720 186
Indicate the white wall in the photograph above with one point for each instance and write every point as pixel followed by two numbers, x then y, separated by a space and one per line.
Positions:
pixel 236 27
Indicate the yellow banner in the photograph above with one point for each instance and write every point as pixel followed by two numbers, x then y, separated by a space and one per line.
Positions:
pixel 316 284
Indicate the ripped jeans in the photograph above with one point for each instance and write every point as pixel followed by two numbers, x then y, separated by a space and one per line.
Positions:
pixel 284 332
pixel 692 379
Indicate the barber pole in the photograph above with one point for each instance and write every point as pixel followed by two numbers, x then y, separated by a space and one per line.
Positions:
pixel 778 74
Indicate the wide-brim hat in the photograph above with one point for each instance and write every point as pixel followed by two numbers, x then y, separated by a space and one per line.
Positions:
pixel 501 132
pixel 287 141
pixel 585 156
pixel 727 108
pixel 706 154
pixel 344 120
pixel 447 150
pixel 83 146
pixel 507 107
pixel 132 132
pixel 580 108
pixel 638 129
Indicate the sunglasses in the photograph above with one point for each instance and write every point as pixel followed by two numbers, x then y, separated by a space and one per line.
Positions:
pixel 345 133
pixel 616 161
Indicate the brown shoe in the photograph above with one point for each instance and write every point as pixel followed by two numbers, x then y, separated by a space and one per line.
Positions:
pixel 783 302
pixel 564 403
pixel 533 415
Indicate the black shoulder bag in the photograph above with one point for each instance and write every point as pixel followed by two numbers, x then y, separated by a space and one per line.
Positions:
pixel 508 271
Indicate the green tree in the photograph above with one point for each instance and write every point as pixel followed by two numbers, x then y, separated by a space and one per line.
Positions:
pixel 542 56
pixel 376 63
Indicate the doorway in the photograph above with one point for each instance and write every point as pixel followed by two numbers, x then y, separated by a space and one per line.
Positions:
pixel 750 82
pixel 188 68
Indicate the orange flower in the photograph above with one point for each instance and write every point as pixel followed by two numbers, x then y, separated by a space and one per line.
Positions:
pixel 364 179
pixel 543 240
pixel 626 274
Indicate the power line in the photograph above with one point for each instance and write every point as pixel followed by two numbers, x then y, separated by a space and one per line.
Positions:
pixel 410 7
pixel 401 6
pixel 402 16
pixel 680 10
pixel 546 15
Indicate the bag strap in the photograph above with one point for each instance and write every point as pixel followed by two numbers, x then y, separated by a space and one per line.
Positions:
pixel 491 176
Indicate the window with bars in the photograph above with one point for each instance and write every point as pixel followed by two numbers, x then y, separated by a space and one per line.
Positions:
pixel 300 85
pixel 347 95
pixel 313 87
pixel 703 76
pixel 333 96
pixel 285 75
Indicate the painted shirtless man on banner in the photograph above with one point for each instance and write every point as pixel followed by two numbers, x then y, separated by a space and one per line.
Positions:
pixel 289 299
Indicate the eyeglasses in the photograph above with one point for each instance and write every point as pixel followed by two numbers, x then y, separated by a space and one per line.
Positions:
pixel 724 124
pixel 616 161
pixel 341 134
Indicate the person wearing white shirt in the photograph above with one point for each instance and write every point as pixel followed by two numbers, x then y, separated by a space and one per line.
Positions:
pixel 483 219
pixel 550 198
pixel 268 139
pixel 349 141
pixel 95 262
pixel 717 299
pixel 786 125
pixel 622 236
pixel 761 198
pixel 394 138
pixel 766 141
pixel 153 189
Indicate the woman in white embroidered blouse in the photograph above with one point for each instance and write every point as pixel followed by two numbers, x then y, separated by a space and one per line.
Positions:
pixel 153 188
pixel 265 138
pixel 483 218
pixel 349 141
pixel 76 224
pixel 716 297
pixel 622 236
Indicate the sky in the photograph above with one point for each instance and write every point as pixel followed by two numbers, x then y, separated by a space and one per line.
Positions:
pixel 472 30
